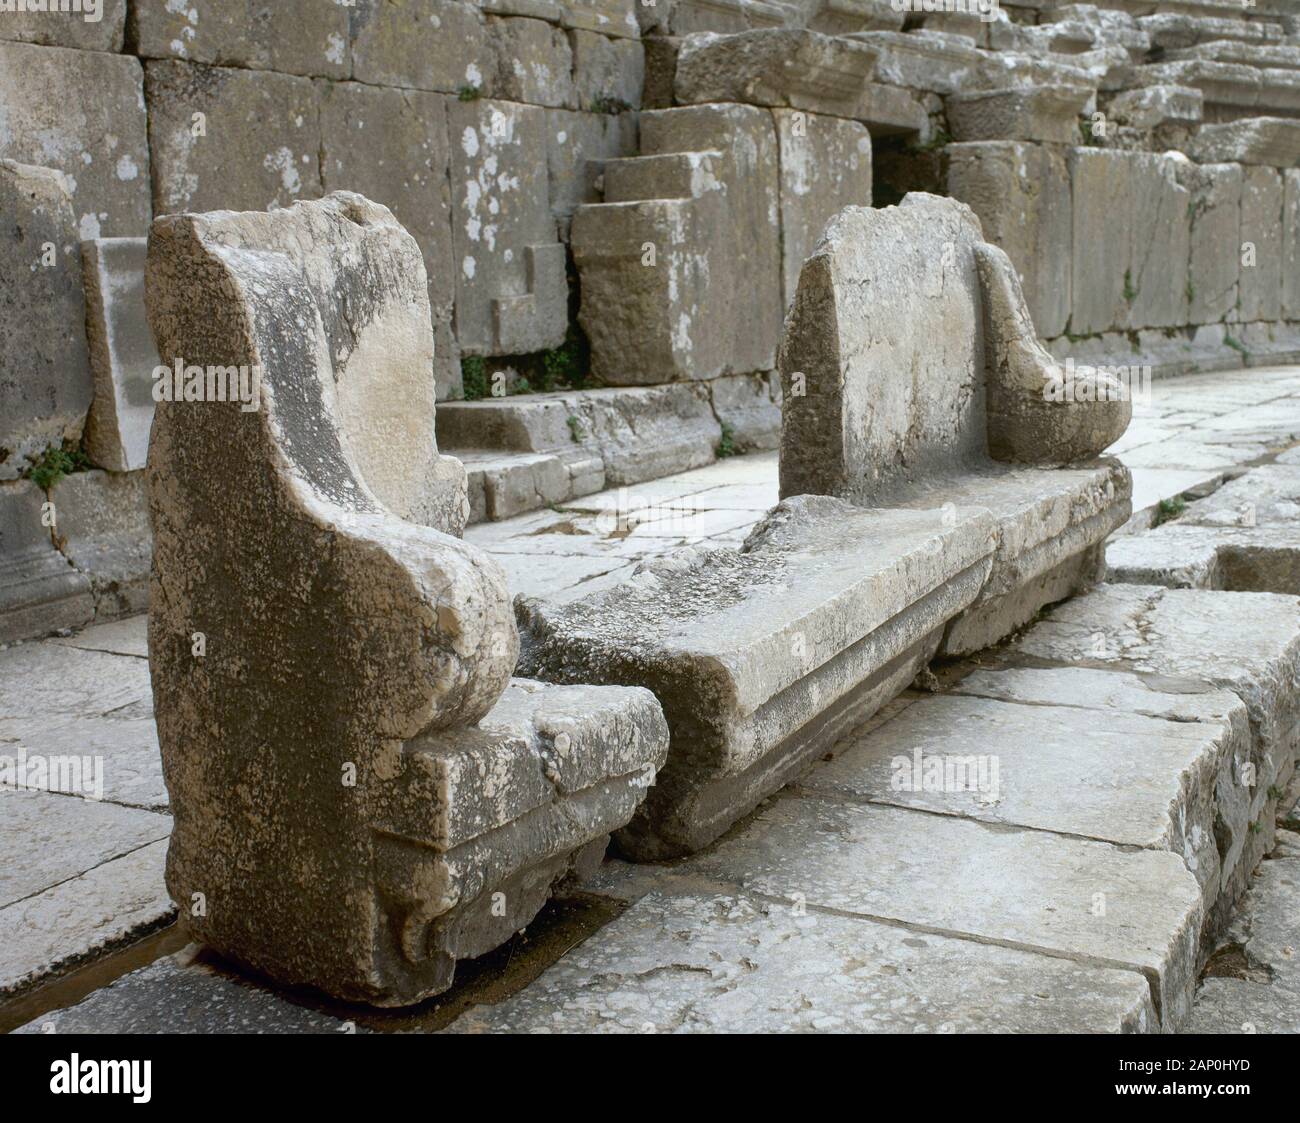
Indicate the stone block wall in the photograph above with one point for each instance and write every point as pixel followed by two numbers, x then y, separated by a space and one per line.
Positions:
pixel 536 148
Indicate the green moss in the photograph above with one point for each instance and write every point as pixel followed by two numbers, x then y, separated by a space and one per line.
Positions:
pixel 473 374
pixel 566 365
pixel 938 139
pixel 607 104
pixel 576 430
pixel 55 463
pixel 1169 509
pixel 1237 345
pixel 1130 293
pixel 469 93
pixel 727 445
pixel 1190 291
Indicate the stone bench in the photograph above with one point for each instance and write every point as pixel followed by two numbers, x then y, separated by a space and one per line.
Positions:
pixel 362 795
pixel 909 364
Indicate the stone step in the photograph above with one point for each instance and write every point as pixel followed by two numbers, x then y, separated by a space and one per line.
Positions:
pixel 672 175
pixel 526 452
pixel 1055 751
pixel 1264 995
pixel 1262 55
pixel 1245 642
pixel 1087 902
pixel 1231 89
pixel 1245 537
pixel 1268 141
pixel 727 962
pixel 1155 490
pixel 1173 31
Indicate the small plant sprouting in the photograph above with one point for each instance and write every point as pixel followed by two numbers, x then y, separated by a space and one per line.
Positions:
pixel 564 366
pixel 1190 291
pixel 576 430
pixel 1130 293
pixel 1085 131
pixel 1169 509
pixel 606 104
pixel 469 93
pixel 1274 792
pixel 55 463
pixel 473 373
pixel 727 445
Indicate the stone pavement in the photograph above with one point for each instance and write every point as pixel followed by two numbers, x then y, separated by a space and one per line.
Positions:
pixel 895 903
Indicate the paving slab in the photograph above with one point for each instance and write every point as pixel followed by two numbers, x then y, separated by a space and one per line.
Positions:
pixel 38 680
pixel 1130 779
pixel 1268 1000
pixel 64 837
pixel 181 995
pixel 1088 902
pixel 98 911
pixel 719 963
pixel 129 636
pixel 1154 486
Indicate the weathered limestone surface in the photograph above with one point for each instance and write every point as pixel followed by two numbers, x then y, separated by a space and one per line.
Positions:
pixel 102 31
pixel 534 63
pixel 680 269
pixel 1267 999
pixel 719 963
pixel 858 301
pixel 1260 287
pixel 1057 747
pixel 1245 642
pixel 290 36
pixel 1031 416
pixel 44 368
pixel 398 809
pixel 1213 268
pixel 256 145
pixel 951 877
pixel 62 699
pixel 775 67
pixel 511 290
pixel 105 907
pixel 825 165
pixel 40 592
pixel 391 146
pixel 1040 113
pixel 1245 537
pixel 123 356
pixel 762 656
pixel 608 74
pixel 1272 141
pixel 1021 195
pixel 1291 245
pixel 98 142
pixel 439 45
pixel 577 147
pixel 103 530
pixel 1136 276
pixel 383 386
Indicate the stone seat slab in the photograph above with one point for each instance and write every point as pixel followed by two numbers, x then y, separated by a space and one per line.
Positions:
pixel 760 654
pixel 1050 526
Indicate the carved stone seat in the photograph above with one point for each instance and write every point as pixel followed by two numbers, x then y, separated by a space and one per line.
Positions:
pixel 926 504
pixel 362 795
